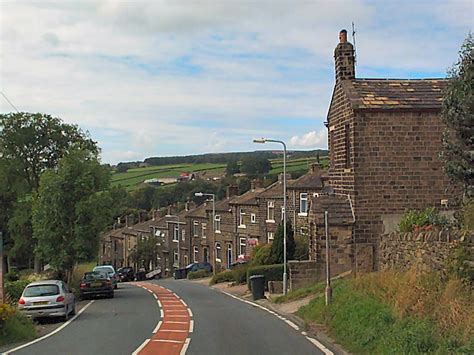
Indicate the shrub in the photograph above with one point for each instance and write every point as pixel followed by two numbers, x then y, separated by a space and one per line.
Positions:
pixel 14 289
pixel 271 273
pixel 224 276
pixel 13 275
pixel 240 273
pixel 301 248
pixel 198 274
pixel 415 220
pixel 261 255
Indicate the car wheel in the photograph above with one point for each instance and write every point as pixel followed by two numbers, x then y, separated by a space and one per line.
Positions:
pixel 115 286
pixel 73 312
pixel 66 315
pixel 111 295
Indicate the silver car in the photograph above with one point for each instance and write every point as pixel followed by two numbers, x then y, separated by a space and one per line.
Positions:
pixel 48 298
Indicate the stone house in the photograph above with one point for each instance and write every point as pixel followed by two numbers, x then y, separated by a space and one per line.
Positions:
pixel 299 194
pixel 247 219
pixel 177 244
pixel 111 248
pixel 223 237
pixel 384 140
pixel 199 223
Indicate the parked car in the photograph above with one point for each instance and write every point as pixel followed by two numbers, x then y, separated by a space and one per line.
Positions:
pixel 183 272
pixel 96 283
pixel 48 298
pixel 109 269
pixel 126 274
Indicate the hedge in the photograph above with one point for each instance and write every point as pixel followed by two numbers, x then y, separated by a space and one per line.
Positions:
pixel 224 276
pixel 198 274
pixel 14 289
pixel 271 273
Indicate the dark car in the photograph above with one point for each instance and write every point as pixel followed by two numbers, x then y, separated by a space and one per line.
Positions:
pixel 126 274
pixel 183 272
pixel 96 283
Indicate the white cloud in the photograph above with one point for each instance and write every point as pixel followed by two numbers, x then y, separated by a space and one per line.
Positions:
pixel 313 139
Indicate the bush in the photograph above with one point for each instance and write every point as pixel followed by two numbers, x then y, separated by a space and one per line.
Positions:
pixel 198 274
pixel 16 328
pixel 414 220
pixel 13 275
pixel 224 276
pixel 301 248
pixel 14 289
pixel 261 255
pixel 240 273
pixel 271 273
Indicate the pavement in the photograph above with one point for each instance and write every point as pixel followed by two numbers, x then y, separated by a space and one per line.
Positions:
pixel 168 317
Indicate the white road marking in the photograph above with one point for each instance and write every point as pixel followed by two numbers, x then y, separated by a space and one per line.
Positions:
pixel 290 323
pixel 161 313
pixel 191 326
pixel 184 303
pixel 176 322
pixel 185 346
pixel 156 297
pixel 53 332
pixel 159 303
pixel 320 346
pixel 157 326
pixel 141 347
pixel 173 330
pixel 190 312
pixel 168 341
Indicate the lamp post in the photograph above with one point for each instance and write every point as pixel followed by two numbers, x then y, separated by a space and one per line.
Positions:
pixel 179 236
pixel 213 199
pixel 262 141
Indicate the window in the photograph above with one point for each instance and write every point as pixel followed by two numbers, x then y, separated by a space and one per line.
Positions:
pixel 229 255
pixel 282 212
pixel 196 254
pixel 186 261
pixel 304 203
pixel 205 255
pixel 218 252
pixel 218 223
pixel 332 156
pixel 196 228
pixel 175 233
pixel 115 245
pixel 270 237
pixel 204 227
pixel 242 246
pixel 253 218
pixel 304 231
pixel 271 211
pixel 175 258
pixel 183 234
pixel 241 217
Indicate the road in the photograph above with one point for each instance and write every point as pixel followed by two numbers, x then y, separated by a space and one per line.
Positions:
pixel 173 317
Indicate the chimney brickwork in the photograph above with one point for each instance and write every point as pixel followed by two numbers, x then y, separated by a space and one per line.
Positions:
pixel 344 58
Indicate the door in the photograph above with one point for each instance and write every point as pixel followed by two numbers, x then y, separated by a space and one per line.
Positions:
pixel 205 255
pixel 229 255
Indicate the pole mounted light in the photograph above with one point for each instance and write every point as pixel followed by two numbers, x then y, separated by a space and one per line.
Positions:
pixel 265 140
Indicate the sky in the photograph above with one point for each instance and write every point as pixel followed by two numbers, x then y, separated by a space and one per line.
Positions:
pixel 162 78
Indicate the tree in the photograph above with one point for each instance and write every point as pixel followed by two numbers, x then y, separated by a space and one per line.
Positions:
pixel 30 143
pixel 145 252
pixel 255 165
pixel 277 245
pixel 458 115
pixel 232 167
pixel 68 212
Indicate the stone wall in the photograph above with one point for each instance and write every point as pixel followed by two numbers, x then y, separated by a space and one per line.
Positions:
pixel 304 273
pixel 425 250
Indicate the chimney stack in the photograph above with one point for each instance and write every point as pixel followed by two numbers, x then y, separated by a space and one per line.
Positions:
pixel 232 190
pixel 156 215
pixel 280 177
pixel 315 168
pixel 255 184
pixel 344 58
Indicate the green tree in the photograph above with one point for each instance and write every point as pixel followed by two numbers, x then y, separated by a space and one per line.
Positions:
pixel 277 245
pixel 232 167
pixel 68 212
pixel 30 143
pixel 458 115
pixel 145 252
pixel 255 165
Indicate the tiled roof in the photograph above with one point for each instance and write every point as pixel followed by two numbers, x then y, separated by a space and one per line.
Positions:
pixel 338 207
pixel 222 205
pixel 366 94
pixel 199 211
pixel 247 198
pixel 275 190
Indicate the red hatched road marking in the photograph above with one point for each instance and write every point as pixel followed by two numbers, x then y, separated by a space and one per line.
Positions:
pixel 171 336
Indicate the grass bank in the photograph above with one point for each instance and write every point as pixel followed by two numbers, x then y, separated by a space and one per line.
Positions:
pixel 14 327
pixel 397 313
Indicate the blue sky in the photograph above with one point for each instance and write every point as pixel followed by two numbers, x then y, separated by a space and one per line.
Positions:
pixel 156 78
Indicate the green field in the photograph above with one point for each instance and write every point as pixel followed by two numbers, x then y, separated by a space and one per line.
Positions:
pixel 134 178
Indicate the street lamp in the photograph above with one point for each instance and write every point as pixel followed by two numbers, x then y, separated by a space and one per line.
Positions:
pixel 179 236
pixel 213 199
pixel 262 141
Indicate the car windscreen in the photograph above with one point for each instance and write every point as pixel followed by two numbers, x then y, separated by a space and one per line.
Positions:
pixel 108 270
pixel 41 290
pixel 95 275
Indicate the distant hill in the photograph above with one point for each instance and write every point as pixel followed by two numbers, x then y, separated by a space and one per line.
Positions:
pixel 218 158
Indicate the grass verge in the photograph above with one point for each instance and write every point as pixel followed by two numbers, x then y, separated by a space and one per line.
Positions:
pixel 15 329
pixel 364 316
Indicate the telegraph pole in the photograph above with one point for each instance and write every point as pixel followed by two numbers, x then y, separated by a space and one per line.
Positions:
pixel 328 262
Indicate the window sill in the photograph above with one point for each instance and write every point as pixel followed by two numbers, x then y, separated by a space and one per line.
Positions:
pixel 175 241
pixel 242 226
pixel 270 221
pixel 218 232
pixel 305 214
pixel 218 260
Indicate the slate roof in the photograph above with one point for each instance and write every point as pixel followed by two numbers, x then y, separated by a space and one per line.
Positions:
pixel 338 207
pixel 367 94
pixel 310 180
pixel 247 198
pixel 275 190
pixel 199 211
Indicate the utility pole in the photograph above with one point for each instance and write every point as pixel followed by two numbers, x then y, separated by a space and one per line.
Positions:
pixel 328 290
